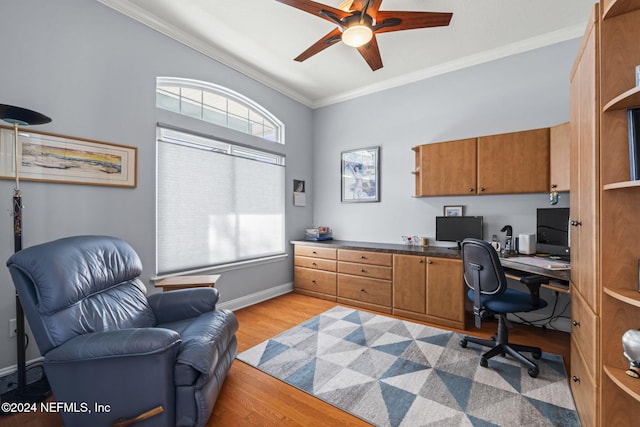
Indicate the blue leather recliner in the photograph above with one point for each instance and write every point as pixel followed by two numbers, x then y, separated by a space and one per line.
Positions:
pixel 105 343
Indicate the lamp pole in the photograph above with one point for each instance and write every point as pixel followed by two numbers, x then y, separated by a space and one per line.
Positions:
pixel 21 116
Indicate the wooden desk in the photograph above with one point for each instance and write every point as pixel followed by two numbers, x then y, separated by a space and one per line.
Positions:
pixel 558 279
pixel 183 282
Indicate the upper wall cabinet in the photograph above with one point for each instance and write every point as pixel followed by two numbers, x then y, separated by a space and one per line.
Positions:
pixel 446 168
pixel 559 157
pixel 516 162
pixel 510 163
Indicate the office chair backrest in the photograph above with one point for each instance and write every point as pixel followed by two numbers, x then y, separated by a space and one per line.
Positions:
pixel 78 285
pixel 480 255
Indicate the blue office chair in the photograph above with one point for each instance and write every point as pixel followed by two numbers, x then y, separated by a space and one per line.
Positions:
pixel 485 277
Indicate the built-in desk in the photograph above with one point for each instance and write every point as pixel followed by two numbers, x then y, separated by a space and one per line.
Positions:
pixel 423 283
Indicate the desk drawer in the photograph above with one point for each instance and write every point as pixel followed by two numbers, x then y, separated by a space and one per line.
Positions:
pixel 314 280
pixel 374 291
pixel 366 257
pixel 315 251
pixel 317 263
pixel 366 270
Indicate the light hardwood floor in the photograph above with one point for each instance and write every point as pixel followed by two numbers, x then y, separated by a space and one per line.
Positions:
pixel 250 397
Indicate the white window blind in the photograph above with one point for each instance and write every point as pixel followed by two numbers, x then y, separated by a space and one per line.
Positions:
pixel 217 203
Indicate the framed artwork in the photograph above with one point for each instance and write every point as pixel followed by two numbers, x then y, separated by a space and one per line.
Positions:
pixel 453 211
pixel 360 175
pixel 49 157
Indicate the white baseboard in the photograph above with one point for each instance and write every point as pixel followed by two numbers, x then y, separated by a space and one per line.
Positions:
pixel 247 300
pixel 13 368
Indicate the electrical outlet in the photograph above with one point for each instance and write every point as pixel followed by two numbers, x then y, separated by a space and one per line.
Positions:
pixel 12 328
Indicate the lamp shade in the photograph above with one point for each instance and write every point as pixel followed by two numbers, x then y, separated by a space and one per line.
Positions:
pixel 22 116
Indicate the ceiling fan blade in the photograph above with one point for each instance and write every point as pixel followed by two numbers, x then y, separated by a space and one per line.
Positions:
pixel 315 8
pixel 371 54
pixel 412 20
pixel 320 45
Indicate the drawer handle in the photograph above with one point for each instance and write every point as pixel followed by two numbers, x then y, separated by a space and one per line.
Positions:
pixel 575 323
pixel 575 223
pixel 575 379
pixel 363 257
pixel 313 281
pixel 314 264
pixel 363 290
pixel 429 262
pixel 362 270
pixel 314 252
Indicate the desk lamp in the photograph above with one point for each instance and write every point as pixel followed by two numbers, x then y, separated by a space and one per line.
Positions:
pixel 18 116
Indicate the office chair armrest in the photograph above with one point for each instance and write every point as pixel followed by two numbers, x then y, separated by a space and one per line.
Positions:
pixel 533 283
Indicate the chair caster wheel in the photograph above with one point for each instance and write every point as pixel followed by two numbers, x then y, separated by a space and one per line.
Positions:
pixel 536 354
pixel 533 372
pixel 463 343
pixel 484 363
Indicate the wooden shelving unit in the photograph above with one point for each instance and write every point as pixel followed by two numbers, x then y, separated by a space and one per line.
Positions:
pixel 620 202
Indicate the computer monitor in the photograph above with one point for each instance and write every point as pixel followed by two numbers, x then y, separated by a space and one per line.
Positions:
pixel 552 232
pixel 458 228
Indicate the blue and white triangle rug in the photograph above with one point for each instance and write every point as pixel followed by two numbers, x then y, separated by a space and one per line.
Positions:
pixel 391 372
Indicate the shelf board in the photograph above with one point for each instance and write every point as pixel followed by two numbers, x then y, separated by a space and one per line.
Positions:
pixel 631 297
pixel 626 100
pixel 619 7
pixel 624 184
pixel 630 385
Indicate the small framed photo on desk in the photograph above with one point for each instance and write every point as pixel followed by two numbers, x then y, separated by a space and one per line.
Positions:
pixel 453 211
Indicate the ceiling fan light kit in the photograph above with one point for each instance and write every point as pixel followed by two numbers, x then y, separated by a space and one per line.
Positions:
pixel 358 23
pixel 357 35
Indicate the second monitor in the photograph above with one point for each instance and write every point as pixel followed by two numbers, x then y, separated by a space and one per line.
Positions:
pixel 458 228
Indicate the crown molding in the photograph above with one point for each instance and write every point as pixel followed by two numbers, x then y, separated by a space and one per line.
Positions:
pixel 548 39
pixel 140 15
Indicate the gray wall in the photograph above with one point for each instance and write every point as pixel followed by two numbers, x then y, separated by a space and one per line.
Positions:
pixel 525 91
pixel 93 72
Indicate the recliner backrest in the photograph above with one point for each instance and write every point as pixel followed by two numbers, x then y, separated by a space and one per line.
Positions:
pixel 78 285
pixel 492 278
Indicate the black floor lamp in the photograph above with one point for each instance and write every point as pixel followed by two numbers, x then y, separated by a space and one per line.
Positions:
pixel 37 391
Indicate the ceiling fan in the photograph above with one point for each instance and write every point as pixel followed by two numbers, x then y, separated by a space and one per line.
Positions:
pixel 358 23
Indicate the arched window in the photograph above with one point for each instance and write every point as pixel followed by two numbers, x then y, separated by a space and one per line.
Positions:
pixel 219 105
pixel 220 202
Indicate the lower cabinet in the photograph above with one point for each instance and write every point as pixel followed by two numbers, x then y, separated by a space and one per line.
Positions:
pixel 314 271
pixel 429 289
pixel 364 279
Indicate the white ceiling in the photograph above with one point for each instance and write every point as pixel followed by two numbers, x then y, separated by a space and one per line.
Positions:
pixel 260 38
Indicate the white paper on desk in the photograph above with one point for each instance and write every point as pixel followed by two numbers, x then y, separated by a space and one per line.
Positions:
pixel 541 262
pixel 299 199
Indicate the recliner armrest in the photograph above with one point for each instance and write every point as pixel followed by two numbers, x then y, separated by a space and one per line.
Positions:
pixel 183 303
pixel 123 342
pixel 533 283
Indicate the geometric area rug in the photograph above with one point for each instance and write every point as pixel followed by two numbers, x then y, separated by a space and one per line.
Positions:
pixel 391 372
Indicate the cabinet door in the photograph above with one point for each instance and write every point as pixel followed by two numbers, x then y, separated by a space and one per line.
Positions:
pixel 584 173
pixel 559 157
pixel 445 290
pixel 409 280
pixel 447 168
pixel 516 162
